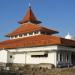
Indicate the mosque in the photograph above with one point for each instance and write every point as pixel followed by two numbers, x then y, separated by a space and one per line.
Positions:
pixel 32 43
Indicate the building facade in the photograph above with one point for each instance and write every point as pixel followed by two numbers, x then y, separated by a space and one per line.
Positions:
pixel 31 43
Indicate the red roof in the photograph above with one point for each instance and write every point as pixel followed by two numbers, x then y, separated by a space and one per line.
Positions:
pixel 30 24
pixel 29 17
pixel 68 42
pixel 30 27
pixel 1 46
pixel 39 40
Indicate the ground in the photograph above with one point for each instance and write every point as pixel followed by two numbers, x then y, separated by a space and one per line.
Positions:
pixel 27 70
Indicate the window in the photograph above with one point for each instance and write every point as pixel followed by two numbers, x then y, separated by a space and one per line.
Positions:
pixel 36 32
pixel 30 33
pixel 25 34
pixel 12 37
pixel 45 55
pixel 15 36
pixel 20 35
pixel 43 33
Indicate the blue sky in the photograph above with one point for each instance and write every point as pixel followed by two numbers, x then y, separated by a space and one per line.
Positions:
pixel 55 14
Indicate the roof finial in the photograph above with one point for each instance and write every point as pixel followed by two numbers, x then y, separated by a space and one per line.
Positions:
pixel 30 3
pixel 68 33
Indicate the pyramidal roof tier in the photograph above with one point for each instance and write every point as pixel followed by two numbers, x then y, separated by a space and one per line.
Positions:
pixel 30 27
pixel 29 17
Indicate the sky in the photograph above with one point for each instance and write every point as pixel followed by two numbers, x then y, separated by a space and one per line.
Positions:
pixel 55 14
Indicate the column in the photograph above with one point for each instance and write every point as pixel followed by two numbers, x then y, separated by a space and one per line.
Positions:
pixel 25 57
pixel 58 57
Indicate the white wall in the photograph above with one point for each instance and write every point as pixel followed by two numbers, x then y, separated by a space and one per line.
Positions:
pixel 10 60
pixel 52 58
pixel 3 56
pixel 30 49
pixel 37 60
pixel 19 58
pixel 43 48
pixel 23 55
pixel 26 58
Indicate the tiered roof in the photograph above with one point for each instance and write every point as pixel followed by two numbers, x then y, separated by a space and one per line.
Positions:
pixel 31 24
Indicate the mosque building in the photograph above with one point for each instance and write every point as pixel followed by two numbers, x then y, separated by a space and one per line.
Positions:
pixel 32 43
